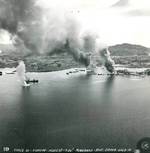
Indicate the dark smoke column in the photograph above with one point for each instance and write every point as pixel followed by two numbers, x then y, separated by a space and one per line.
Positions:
pixel 100 55
pixel 22 19
pixel 78 55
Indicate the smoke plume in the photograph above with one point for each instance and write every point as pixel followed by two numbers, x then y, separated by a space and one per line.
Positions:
pixel 106 59
pixel 47 31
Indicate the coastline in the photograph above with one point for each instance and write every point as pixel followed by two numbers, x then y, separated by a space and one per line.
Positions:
pixel 99 70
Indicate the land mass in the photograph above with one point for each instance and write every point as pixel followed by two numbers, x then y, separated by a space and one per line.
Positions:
pixel 129 55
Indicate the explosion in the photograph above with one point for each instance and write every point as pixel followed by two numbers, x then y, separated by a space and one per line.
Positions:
pixel 106 59
pixel 47 31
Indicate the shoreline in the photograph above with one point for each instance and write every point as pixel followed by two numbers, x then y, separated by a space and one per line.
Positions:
pixel 119 70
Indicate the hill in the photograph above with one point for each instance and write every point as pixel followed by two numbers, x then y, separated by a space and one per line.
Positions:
pixel 128 50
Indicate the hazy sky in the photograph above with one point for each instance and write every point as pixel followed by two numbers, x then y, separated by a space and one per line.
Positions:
pixel 115 21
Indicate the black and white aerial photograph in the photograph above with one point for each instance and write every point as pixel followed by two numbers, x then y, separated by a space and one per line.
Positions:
pixel 75 76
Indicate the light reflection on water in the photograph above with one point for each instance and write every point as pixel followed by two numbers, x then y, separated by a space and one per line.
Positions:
pixel 74 111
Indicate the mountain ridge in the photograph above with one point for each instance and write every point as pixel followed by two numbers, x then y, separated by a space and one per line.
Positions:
pixel 126 49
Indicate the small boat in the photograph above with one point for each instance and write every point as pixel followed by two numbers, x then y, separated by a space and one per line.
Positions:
pixel 82 70
pixel 32 81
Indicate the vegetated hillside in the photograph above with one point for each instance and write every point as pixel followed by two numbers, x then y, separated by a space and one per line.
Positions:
pixel 122 54
pixel 128 50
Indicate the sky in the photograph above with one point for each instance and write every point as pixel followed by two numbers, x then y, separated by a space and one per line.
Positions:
pixel 115 21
